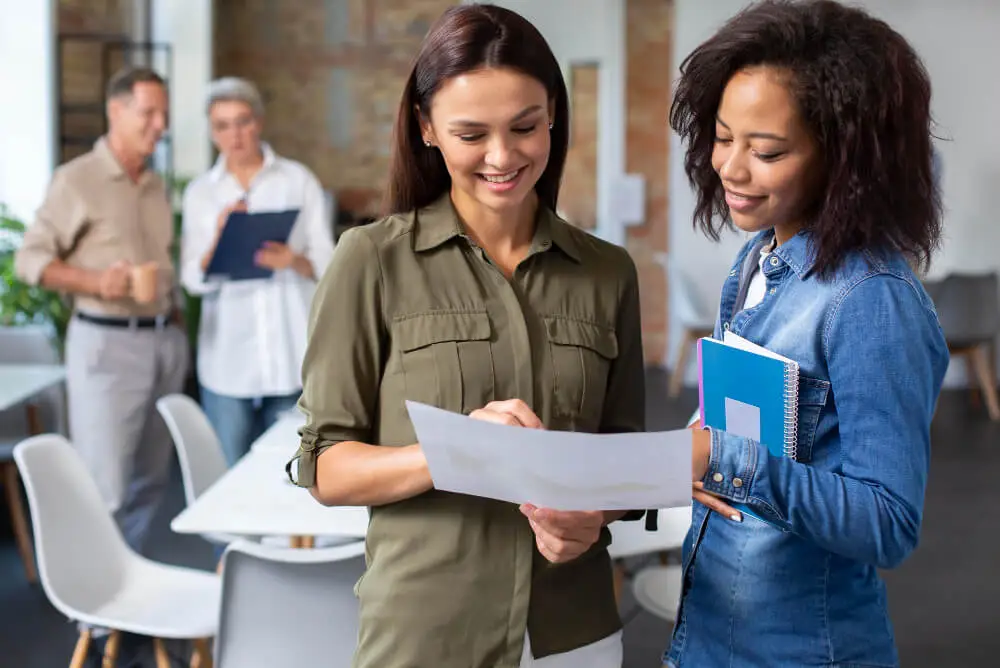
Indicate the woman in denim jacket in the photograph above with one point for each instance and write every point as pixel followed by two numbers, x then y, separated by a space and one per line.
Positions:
pixel 808 125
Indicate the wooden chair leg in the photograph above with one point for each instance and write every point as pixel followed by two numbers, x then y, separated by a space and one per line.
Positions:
pixel 80 651
pixel 618 571
pixel 19 520
pixel 111 650
pixel 162 657
pixel 680 366
pixel 307 542
pixel 987 380
pixel 201 657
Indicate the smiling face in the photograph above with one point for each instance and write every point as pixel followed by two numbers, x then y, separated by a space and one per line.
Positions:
pixel 137 120
pixel 764 154
pixel 492 128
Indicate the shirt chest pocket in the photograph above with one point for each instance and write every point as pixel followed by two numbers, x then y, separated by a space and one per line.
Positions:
pixel 582 353
pixel 812 398
pixel 446 358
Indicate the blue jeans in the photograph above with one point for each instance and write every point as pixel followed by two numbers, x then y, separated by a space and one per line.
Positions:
pixel 238 422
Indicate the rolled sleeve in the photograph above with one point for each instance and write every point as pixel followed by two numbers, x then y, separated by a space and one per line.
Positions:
pixel 342 368
pixel 57 224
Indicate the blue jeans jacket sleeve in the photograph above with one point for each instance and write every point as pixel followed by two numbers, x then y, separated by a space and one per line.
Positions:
pixel 885 377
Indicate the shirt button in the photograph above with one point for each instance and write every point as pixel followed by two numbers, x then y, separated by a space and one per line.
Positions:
pixel 725 326
pixel 773 290
pixel 774 261
pixel 718 477
pixel 737 482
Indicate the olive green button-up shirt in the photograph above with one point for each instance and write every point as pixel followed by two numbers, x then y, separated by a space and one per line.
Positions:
pixel 410 308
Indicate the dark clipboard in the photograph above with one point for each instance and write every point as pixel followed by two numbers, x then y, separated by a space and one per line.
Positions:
pixel 244 234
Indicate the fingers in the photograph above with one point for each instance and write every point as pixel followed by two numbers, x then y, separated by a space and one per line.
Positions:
pixel 487 415
pixel 520 410
pixel 556 550
pixel 715 504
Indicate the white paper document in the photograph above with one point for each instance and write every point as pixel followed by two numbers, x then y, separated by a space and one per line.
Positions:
pixel 554 469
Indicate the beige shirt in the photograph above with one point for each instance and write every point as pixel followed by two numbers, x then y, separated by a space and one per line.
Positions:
pixel 94 215
pixel 410 308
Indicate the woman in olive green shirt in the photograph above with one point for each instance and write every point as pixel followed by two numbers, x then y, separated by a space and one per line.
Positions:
pixel 472 295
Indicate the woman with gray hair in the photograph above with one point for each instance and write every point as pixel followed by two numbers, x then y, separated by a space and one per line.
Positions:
pixel 252 333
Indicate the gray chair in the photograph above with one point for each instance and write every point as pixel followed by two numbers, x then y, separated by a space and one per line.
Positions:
pixel 288 607
pixel 968 307
pixel 46 412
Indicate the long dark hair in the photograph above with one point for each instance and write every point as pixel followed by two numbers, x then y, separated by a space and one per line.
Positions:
pixel 467 38
pixel 865 96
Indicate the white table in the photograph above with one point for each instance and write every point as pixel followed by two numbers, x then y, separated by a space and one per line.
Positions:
pixel 255 498
pixel 283 435
pixel 19 382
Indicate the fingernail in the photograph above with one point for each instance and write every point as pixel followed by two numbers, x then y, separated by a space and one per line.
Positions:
pixel 736 517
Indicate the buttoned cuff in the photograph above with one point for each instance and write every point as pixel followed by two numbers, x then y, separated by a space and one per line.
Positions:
pixel 731 467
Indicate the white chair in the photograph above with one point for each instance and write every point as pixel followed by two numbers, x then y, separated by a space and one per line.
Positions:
pixel 28 344
pixel 90 574
pixel 630 539
pixel 288 607
pixel 695 320
pixel 202 462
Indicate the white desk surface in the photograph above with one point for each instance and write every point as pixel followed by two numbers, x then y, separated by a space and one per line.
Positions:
pixel 283 435
pixel 255 498
pixel 19 382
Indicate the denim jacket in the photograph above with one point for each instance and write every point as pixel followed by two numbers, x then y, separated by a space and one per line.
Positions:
pixel 802 588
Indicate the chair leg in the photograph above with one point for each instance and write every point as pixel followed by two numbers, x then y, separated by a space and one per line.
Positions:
pixel 111 650
pixel 12 487
pixel 162 657
pixel 201 657
pixel 979 358
pixel 680 366
pixel 80 651
pixel 618 572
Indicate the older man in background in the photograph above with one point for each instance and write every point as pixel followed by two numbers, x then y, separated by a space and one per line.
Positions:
pixel 103 235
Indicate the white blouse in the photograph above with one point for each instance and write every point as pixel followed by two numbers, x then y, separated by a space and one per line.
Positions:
pixel 252 335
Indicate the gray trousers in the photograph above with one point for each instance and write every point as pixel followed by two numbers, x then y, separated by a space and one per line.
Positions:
pixel 114 377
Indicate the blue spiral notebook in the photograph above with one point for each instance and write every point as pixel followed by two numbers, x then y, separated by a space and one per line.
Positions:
pixel 747 390
pixel 241 238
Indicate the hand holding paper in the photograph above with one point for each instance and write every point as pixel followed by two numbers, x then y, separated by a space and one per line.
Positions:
pixel 552 469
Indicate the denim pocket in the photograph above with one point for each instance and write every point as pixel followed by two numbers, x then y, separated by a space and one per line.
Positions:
pixel 813 394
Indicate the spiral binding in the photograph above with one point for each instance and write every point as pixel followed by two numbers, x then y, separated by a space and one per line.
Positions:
pixel 791 410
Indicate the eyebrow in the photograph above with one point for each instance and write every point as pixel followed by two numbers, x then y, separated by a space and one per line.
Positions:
pixel 754 135
pixel 463 123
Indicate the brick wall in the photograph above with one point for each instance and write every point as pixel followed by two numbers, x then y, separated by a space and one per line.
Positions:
pixel 648 43
pixel 578 192
pixel 331 72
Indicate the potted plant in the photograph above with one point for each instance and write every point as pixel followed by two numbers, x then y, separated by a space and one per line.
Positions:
pixel 22 304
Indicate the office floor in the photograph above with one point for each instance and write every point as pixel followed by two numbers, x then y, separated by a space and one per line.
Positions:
pixel 943 599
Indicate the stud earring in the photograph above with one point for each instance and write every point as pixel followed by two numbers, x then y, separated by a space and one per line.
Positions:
pixel 427 143
pixel 551 125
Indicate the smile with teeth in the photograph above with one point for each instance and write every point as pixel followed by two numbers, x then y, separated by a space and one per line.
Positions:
pixel 501 178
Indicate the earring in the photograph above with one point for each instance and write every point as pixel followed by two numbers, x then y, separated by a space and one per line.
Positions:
pixel 427 143
pixel 551 125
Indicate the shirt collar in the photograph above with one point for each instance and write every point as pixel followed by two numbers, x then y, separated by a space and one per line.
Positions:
pixel 219 170
pixel 438 223
pixel 798 252
pixel 113 169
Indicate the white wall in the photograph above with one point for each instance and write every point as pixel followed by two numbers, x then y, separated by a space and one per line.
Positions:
pixel 592 31
pixel 27 110
pixel 187 25
pixel 958 43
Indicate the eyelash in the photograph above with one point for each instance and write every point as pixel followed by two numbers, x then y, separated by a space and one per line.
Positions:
pixel 474 138
pixel 765 157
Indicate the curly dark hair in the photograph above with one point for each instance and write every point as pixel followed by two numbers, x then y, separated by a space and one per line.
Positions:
pixel 865 96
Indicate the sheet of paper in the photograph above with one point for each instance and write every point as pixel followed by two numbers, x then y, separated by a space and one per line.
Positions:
pixel 742 419
pixel 554 469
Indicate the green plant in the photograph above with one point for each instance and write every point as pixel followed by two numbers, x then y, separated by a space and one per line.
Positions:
pixel 192 303
pixel 20 303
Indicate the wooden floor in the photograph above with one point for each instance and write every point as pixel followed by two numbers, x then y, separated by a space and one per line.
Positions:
pixel 944 599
